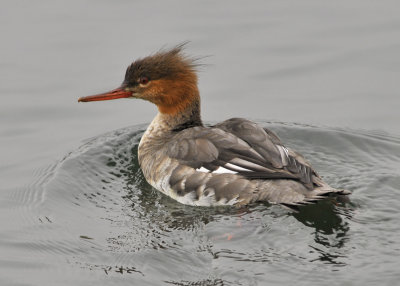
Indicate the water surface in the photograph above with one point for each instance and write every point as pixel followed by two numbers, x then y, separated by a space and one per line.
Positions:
pixel 92 217
pixel 74 207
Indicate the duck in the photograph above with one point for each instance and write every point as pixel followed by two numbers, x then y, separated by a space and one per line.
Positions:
pixel 236 162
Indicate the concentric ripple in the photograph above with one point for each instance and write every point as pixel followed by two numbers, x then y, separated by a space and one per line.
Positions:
pixel 92 217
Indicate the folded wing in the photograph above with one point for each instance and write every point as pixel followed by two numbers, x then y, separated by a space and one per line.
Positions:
pixel 240 146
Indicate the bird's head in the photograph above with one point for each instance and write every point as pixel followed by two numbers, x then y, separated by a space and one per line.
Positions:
pixel 167 78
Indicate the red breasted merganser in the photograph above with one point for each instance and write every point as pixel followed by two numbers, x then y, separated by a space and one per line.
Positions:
pixel 236 162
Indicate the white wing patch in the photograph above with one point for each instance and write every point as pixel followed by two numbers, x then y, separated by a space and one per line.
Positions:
pixel 229 165
pixel 202 169
pixel 220 170
pixel 230 169
pixel 284 153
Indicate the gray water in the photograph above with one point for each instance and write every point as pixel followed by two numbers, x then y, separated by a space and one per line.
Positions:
pixel 74 206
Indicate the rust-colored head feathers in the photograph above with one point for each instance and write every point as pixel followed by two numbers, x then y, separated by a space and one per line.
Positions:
pixel 167 78
pixel 166 64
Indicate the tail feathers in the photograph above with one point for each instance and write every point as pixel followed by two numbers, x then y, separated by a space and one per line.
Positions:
pixel 340 195
pixel 293 195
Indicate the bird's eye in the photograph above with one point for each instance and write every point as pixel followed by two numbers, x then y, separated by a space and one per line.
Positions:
pixel 143 80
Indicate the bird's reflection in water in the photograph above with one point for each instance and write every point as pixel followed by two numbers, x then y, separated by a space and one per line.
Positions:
pixel 330 229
